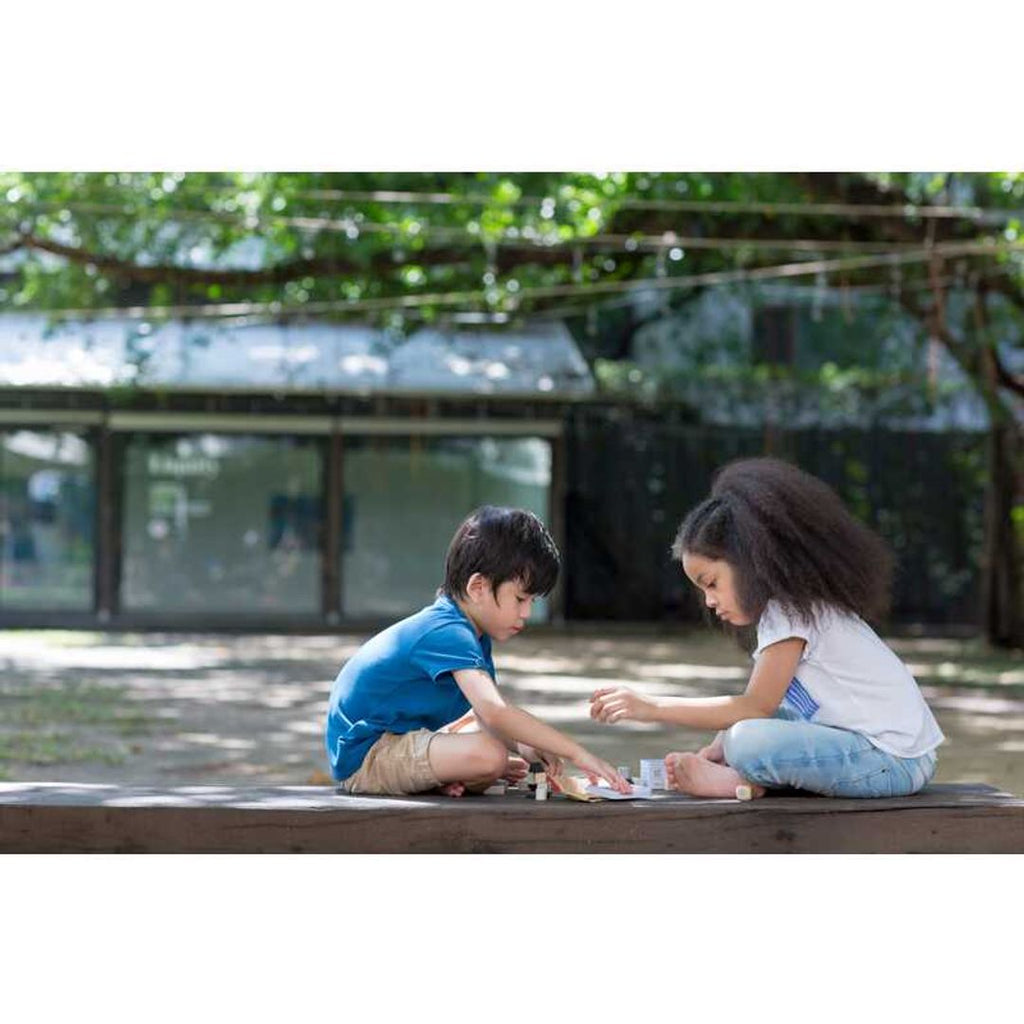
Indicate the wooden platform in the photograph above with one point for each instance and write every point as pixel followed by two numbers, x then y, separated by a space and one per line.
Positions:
pixel 58 818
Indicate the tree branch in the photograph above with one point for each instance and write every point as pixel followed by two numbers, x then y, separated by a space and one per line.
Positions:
pixel 1011 381
pixel 957 349
pixel 333 266
pixel 1003 377
pixel 1008 289
pixel 18 243
pixel 861 191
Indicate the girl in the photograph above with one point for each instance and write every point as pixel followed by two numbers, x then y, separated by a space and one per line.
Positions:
pixel 829 707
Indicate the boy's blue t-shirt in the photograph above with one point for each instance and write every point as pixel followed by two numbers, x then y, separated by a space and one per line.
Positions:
pixel 401 680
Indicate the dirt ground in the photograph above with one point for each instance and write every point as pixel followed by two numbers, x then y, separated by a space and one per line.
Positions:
pixel 162 709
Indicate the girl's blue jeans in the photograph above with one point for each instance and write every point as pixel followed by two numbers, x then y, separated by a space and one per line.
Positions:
pixel 788 751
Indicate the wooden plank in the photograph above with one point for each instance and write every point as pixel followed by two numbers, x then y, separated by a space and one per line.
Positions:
pixel 56 818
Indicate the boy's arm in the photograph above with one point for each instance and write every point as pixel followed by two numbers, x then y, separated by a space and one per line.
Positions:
pixel 773 672
pixel 513 725
pixel 469 720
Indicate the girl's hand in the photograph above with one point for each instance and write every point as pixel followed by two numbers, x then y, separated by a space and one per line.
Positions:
pixel 617 703
pixel 594 768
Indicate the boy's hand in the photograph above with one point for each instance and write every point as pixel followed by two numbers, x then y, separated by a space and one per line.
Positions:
pixel 515 769
pixel 527 753
pixel 617 703
pixel 595 768
pixel 552 762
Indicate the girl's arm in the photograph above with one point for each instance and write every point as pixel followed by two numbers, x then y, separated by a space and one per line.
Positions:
pixel 773 672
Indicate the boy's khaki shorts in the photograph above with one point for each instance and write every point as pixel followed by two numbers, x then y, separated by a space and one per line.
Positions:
pixel 395 764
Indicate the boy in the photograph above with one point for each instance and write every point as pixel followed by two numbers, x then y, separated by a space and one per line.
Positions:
pixel 394 703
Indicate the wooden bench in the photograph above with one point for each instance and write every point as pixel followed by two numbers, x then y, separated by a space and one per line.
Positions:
pixel 65 818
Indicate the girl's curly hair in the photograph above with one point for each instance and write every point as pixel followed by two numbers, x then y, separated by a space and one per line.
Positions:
pixel 788 538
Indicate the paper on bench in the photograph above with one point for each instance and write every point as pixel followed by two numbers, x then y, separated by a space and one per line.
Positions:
pixel 606 792
pixel 576 788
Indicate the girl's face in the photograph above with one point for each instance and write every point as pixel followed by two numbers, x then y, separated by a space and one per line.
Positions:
pixel 714 578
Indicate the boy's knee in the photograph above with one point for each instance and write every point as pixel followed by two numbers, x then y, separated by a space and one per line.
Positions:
pixel 490 757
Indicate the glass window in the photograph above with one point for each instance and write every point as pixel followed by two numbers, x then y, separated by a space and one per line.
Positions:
pixel 405 497
pixel 47 506
pixel 223 523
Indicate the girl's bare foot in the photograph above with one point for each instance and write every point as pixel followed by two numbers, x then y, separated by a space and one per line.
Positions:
pixel 715 750
pixel 697 776
pixel 452 788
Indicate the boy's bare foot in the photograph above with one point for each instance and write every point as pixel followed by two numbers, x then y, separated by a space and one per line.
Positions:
pixel 697 776
pixel 452 788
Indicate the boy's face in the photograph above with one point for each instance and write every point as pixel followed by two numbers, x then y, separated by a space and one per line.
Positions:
pixel 714 578
pixel 501 612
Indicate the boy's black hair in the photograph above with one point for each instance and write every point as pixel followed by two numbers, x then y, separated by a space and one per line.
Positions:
pixel 501 544
pixel 788 537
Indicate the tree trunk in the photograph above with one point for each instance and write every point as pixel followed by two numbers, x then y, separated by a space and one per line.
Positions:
pixel 1004 614
pixel 1004 609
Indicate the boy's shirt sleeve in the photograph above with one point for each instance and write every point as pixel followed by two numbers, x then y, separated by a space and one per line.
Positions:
pixel 775 625
pixel 447 649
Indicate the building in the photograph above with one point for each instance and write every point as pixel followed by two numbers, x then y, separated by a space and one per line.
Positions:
pixel 201 475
